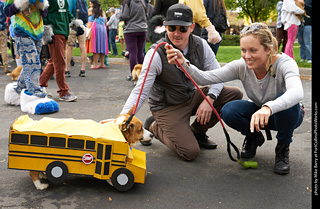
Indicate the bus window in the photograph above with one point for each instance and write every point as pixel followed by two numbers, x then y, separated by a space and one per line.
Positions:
pixel 57 142
pixel 108 152
pixel 98 167
pixel 76 143
pixel 106 168
pixel 90 145
pixel 100 151
pixel 38 140
pixel 20 138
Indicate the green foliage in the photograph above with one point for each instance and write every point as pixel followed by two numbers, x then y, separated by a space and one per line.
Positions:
pixel 255 10
pixel 106 4
pixel 230 40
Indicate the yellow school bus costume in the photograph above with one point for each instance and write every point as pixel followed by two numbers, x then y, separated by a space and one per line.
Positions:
pixel 67 146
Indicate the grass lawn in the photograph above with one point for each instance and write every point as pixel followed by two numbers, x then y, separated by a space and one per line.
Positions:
pixel 225 54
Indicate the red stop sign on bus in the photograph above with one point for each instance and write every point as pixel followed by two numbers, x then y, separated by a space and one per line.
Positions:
pixel 87 158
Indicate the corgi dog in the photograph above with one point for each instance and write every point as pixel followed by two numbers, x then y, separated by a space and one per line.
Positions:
pixel 136 72
pixel 132 132
pixel 15 73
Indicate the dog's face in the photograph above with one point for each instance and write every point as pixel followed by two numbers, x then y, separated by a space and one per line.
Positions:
pixel 134 131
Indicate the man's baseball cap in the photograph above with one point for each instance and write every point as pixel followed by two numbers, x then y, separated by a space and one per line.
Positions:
pixel 179 14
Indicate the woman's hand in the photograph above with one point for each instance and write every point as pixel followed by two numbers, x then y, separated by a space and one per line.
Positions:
pixel 173 54
pixel 260 119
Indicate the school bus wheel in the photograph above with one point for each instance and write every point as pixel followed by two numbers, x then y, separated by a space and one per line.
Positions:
pixel 57 172
pixel 122 179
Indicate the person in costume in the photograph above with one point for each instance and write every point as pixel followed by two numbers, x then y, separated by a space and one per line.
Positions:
pixel 28 29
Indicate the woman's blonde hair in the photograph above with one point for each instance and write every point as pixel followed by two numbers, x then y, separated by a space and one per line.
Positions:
pixel 263 33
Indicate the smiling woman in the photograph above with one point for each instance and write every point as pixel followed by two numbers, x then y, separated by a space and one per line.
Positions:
pixel 271 82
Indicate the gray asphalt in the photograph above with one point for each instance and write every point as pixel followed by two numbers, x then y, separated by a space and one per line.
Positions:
pixel 210 181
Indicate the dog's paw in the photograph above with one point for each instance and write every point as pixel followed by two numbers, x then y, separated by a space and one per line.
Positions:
pixel 36 105
pixel 11 96
pixel 40 186
pixel 42 175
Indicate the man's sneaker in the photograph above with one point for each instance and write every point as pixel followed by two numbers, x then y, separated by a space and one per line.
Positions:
pixel 203 141
pixel 82 73
pixel 44 90
pixel 67 73
pixel 68 98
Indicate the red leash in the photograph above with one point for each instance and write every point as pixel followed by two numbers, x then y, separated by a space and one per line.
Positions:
pixel 145 77
pixel 203 95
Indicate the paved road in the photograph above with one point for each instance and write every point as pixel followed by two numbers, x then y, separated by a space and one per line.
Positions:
pixel 211 181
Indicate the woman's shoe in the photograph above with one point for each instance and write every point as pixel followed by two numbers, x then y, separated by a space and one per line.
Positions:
pixel 282 165
pixel 250 144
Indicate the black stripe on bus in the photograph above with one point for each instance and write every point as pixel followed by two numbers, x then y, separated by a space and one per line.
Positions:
pixel 55 147
pixel 118 161
pixel 39 153
pixel 118 165
pixel 48 158
pixel 119 154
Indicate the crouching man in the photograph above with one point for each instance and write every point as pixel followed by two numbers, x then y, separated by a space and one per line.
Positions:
pixel 173 98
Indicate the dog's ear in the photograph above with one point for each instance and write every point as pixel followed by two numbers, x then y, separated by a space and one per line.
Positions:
pixel 131 110
pixel 125 127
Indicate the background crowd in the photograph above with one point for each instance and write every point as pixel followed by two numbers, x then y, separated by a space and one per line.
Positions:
pixel 138 20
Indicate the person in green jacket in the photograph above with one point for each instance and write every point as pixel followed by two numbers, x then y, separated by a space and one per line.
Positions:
pixel 59 17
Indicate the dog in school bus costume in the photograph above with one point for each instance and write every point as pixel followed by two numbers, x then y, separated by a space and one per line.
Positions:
pixel 60 147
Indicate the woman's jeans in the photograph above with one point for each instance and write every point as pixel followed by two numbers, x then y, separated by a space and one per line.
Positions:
pixel 237 114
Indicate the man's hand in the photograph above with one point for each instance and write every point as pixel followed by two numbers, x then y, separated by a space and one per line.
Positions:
pixel 173 54
pixel 260 119
pixel 204 111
